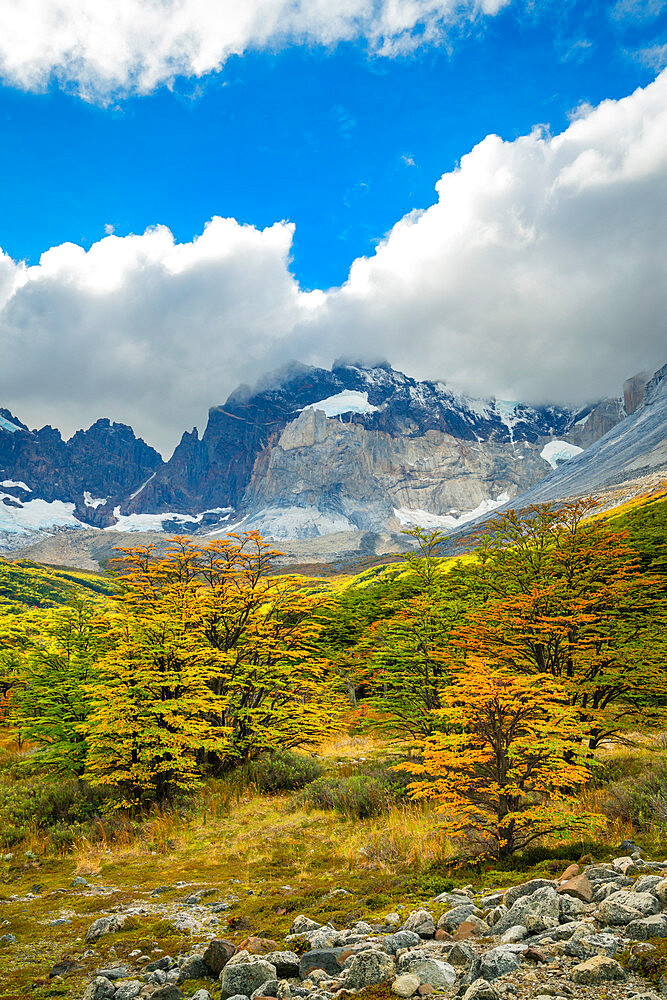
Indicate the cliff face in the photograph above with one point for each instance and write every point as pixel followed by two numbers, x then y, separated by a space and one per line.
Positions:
pixel 347 471
pixel 305 452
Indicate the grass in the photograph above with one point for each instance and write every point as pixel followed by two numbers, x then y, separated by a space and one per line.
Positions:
pixel 271 855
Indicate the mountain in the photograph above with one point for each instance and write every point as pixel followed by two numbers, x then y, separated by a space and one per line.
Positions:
pixel 354 453
pixel 634 449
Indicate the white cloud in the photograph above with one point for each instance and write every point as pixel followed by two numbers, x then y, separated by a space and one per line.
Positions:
pixel 132 46
pixel 540 273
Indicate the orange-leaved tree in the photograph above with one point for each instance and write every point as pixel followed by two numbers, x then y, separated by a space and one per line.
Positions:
pixel 499 771
pixel 565 600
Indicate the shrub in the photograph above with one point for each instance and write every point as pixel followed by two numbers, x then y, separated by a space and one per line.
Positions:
pixel 639 794
pixel 357 796
pixel 283 772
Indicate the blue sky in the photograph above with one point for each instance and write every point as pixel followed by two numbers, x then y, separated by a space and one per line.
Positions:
pixel 341 142
pixel 193 193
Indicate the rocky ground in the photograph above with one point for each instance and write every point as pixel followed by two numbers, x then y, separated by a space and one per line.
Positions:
pixel 584 936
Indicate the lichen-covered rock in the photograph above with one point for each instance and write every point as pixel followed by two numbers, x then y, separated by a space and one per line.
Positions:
pixel 645 928
pixel 537 912
pixel 193 967
pixel 525 889
pixel 369 968
pixel 243 973
pixel 598 969
pixel 481 990
pixel 128 990
pixel 622 907
pixel 303 924
pixel 287 963
pixel 453 918
pixel 431 971
pixel 104 925
pixel 421 922
pixel 320 958
pixel 499 962
pixel 401 939
pixel 99 989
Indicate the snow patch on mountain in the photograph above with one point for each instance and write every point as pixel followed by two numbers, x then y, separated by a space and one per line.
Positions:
pixel 91 501
pixel 18 518
pixel 7 425
pixel 348 401
pixel 281 523
pixel 555 452
pixel 416 518
pixel 19 484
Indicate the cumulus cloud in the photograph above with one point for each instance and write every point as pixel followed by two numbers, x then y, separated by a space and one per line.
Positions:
pixel 540 274
pixel 132 46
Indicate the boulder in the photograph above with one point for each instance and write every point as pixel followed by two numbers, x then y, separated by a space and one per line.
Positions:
pixel 646 928
pixel 431 971
pixel 401 939
pixel 514 934
pixel 570 872
pixel 193 967
pixel 287 963
pixel 99 989
pixel 471 927
pixel 167 992
pixel 452 919
pixel 201 995
pixel 244 973
pixel 622 907
pixel 421 922
pixel 525 889
pixel 537 912
pixel 217 954
pixel 598 969
pixel 498 962
pixel 257 945
pixel 321 958
pixel 579 887
pixel 405 985
pixel 104 925
pixel 302 924
pixel 368 969
pixel 585 944
pixel 128 990
pixel 481 990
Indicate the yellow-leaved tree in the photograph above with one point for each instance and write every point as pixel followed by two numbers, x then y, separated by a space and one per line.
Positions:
pixel 213 661
pixel 500 770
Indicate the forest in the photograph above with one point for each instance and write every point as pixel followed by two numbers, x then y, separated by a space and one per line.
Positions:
pixel 494 687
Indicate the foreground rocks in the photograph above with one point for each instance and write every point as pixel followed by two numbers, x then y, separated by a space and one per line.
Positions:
pixel 573 938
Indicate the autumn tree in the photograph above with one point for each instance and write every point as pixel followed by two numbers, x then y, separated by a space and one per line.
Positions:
pixel 498 768
pixel 214 659
pixel 565 600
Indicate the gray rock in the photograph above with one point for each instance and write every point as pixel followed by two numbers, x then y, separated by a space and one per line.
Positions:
pixel 239 996
pixel 268 989
pixel 302 924
pixel 401 939
pixel 646 882
pixel 421 922
pixel 571 908
pixel 453 918
pixel 536 912
pixel 244 973
pixel 104 925
pixel 458 954
pixel 168 992
pixel 659 890
pixel 481 990
pixel 369 968
pixel 451 899
pixel 586 945
pixel 645 928
pixel 526 889
pixel 323 937
pixel 160 963
pixel 321 958
pixel 99 989
pixel 113 973
pixel 201 995
pixel 499 961
pixel 599 969
pixel 514 934
pixel 193 967
pixel 496 914
pixel 431 971
pixel 287 963
pixel 622 907
pixel 79 883
pixel 128 990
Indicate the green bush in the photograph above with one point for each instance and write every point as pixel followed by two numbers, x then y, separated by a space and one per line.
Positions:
pixel 637 792
pixel 283 772
pixel 356 796
pixel 65 810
